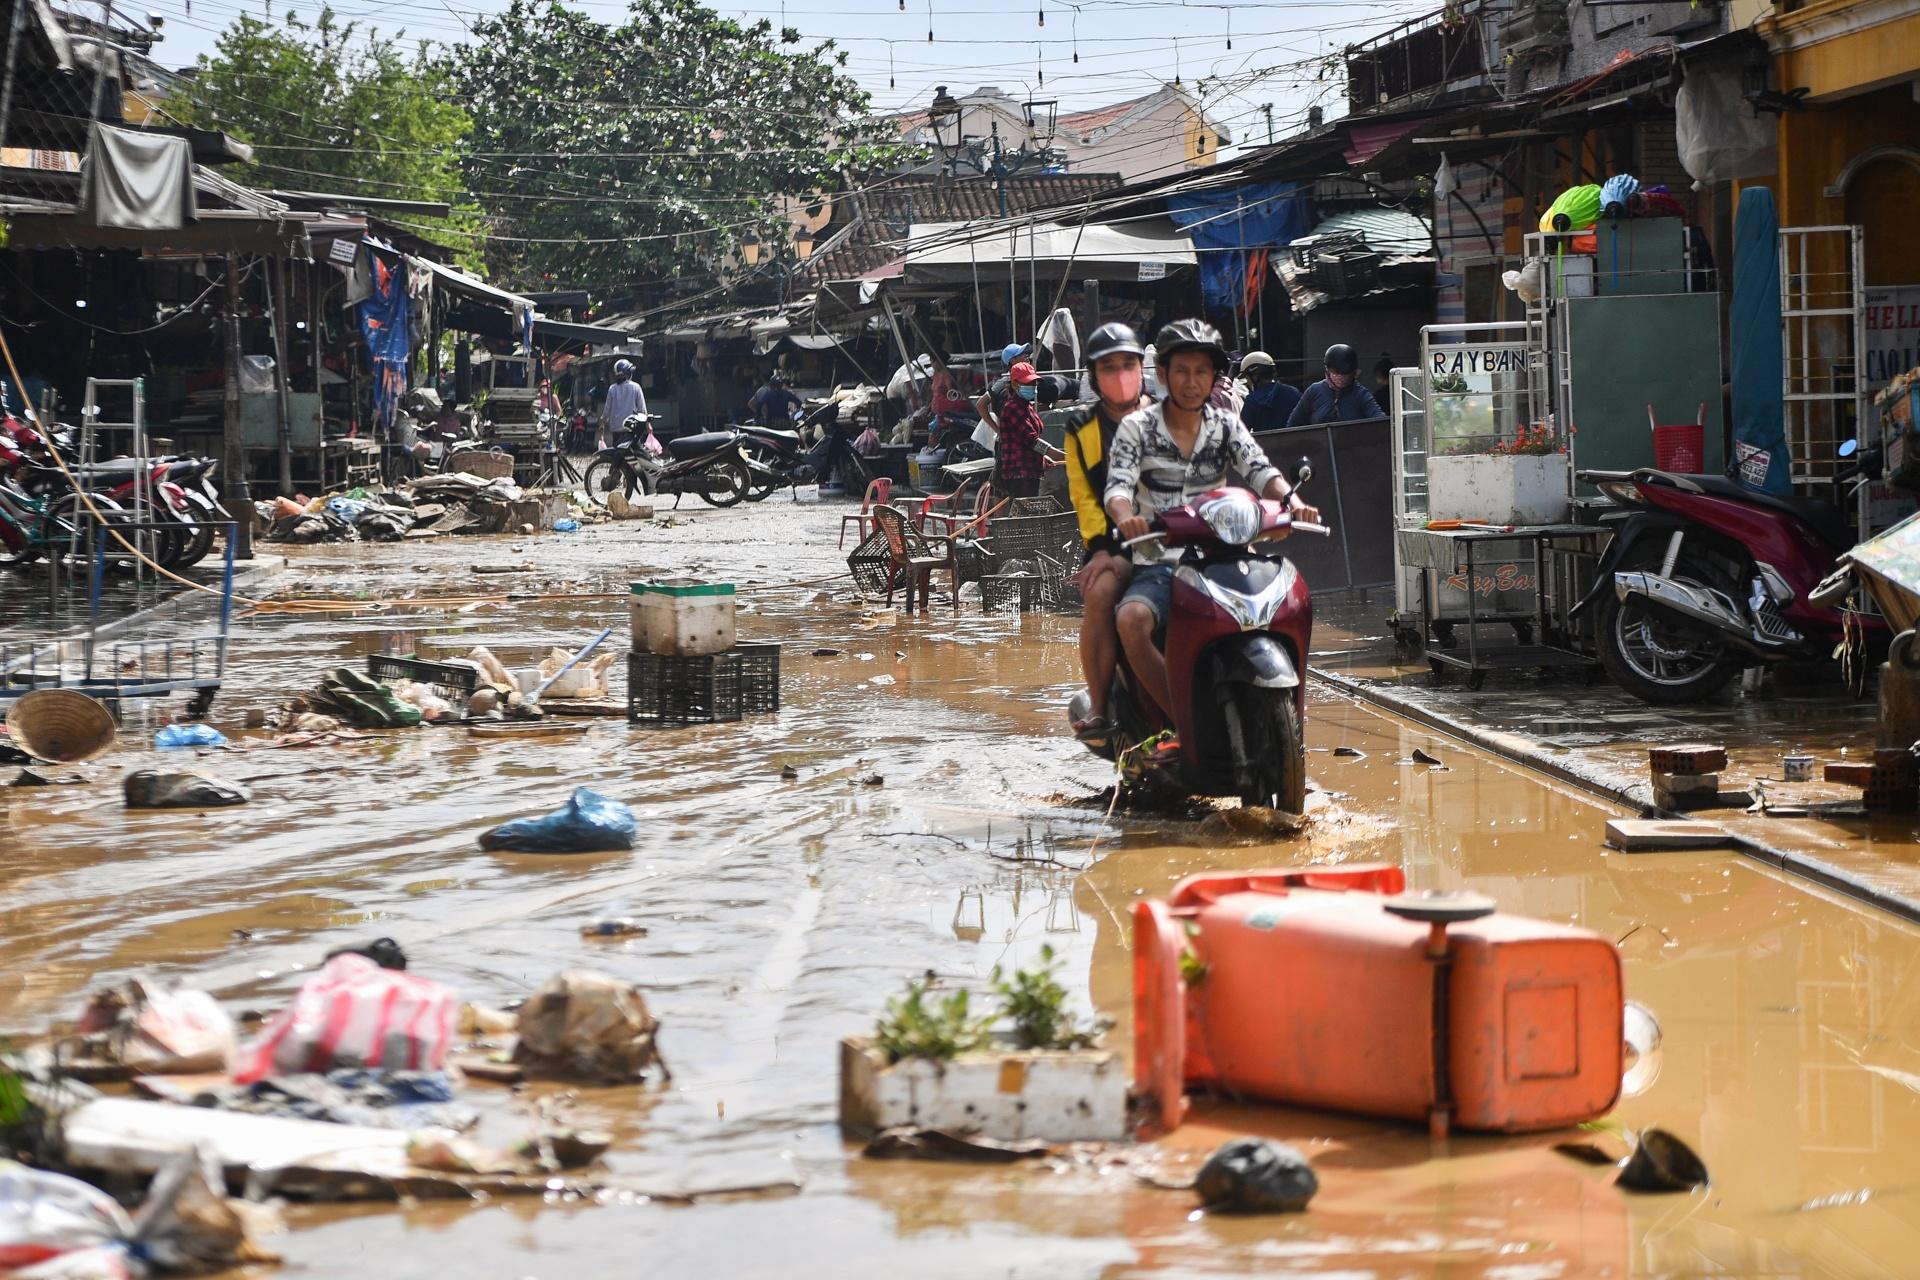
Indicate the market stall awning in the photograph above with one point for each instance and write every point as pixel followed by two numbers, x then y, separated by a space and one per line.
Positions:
pixel 956 251
pixel 215 232
pixel 574 331
pixel 461 283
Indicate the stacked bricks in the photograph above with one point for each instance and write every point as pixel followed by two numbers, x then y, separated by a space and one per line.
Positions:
pixel 1684 773
pixel 1891 784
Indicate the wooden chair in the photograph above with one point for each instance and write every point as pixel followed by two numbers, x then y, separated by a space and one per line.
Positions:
pixel 878 492
pixel 915 556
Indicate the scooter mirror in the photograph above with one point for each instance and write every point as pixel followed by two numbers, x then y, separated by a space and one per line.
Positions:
pixel 1849 447
pixel 1302 473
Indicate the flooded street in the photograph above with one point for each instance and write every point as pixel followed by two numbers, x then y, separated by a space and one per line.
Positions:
pixel 783 911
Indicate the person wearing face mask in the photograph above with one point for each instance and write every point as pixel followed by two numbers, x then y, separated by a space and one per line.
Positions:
pixel 1019 456
pixel 1114 372
pixel 1338 397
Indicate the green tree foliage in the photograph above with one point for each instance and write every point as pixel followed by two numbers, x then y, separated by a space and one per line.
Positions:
pixel 329 107
pixel 651 148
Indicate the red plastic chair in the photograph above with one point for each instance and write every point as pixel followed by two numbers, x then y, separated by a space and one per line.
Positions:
pixel 956 522
pixel 879 493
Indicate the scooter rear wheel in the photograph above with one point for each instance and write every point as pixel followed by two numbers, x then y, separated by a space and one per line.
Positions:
pixel 1652 659
pixel 723 485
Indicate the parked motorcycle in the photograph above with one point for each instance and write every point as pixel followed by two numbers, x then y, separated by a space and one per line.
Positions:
pixel 713 464
pixel 781 459
pixel 1705 577
pixel 1236 649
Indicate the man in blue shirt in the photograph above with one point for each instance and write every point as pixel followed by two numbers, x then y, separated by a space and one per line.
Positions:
pixel 1269 401
pixel 1338 397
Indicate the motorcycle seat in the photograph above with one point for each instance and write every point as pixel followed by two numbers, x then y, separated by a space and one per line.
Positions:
pixel 695 446
pixel 775 433
pixel 1827 520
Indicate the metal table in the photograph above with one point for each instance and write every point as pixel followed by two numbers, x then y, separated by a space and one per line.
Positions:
pixel 1459 553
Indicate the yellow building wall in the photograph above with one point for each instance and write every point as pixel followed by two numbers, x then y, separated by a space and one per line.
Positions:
pixel 1815 146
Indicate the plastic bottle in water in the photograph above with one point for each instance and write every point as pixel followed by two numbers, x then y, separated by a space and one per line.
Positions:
pixel 613 927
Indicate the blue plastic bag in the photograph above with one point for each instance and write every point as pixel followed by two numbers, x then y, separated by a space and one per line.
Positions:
pixel 589 823
pixel 565 525
pixel 189 735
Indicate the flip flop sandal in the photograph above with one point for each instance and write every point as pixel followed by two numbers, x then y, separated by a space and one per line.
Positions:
pixel 1093 728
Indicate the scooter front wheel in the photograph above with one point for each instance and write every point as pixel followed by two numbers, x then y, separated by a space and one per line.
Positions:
pixel 604 476
pixel 1270 759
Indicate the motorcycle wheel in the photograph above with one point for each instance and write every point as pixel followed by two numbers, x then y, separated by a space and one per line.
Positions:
pixel 199 540
pixel 12 557
pixel 723 485
pixel 1270 759
pixel 1657 661
pixel 604 475
pixel 762 483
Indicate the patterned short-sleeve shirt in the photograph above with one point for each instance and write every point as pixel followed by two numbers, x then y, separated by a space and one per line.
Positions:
pixel 1147 467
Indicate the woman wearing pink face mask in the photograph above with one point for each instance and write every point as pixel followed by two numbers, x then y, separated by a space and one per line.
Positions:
pixel 1338 397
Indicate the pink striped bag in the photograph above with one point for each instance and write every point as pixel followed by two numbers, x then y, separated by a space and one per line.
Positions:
pixel 353 1013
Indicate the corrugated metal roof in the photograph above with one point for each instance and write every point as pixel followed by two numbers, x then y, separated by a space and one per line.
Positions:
pixel 1392 233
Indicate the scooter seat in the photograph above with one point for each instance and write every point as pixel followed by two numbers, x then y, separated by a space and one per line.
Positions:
pixel 1827 520
pixel 775 433
pixel 695 446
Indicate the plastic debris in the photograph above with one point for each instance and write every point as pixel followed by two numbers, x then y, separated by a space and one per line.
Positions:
pixel 587 1026
pixel 49 1215
pixel 189 735
pixel 152 789
pixel 369 1096
pixel 940 1144
pixel 354 1013
pixel 613 927
pixel 1253 1175
pixel 128 1030
pixel 566 525
pixel 588 823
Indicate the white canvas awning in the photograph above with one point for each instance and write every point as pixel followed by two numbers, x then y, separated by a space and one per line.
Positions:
pixel 955 251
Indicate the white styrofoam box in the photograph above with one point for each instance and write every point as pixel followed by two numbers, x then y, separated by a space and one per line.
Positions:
pixel 1077 1095
pixel 1498 488
pixel 675 616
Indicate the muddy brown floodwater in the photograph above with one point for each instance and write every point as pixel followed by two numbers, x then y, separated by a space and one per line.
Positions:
pixel 782 912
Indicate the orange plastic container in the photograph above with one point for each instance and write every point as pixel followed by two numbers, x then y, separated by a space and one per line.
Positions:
pixel 1317 988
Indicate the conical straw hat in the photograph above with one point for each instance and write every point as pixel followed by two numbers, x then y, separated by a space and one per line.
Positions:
pixel 60 726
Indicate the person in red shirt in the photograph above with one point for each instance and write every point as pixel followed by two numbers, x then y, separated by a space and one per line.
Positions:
pixel 1018 454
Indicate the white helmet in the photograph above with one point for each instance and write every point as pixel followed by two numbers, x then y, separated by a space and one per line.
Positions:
pixel 1255 360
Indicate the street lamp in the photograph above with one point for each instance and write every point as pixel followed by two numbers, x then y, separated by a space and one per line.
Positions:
pixel 944 117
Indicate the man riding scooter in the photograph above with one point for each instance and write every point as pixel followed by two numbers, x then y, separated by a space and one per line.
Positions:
pixel 1165 456
pixel 1114 369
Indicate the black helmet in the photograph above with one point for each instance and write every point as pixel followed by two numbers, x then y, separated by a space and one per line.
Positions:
pixel 1114 339
pixel 1342 358
pixel 1189 335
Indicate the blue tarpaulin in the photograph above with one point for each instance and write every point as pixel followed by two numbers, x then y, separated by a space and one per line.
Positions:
pixel 384 321
pixel 1759 427
pixel 1225 224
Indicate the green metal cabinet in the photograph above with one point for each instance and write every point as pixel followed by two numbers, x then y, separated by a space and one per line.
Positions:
pixel 1626 353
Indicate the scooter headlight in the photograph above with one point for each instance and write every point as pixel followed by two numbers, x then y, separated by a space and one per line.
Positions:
pixel 1233 517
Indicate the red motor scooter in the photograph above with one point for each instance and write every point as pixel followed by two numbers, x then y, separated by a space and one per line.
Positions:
pixel 1704 577
pixel 1236 645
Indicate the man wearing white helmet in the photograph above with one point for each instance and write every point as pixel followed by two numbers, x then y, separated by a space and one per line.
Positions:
pixel 1269 401
pixel 624 399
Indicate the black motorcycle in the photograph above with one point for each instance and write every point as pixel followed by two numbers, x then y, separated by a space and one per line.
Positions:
pixel 713 465
pixel 780 460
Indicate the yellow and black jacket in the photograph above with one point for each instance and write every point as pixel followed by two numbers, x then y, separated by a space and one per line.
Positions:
pixel 1087 439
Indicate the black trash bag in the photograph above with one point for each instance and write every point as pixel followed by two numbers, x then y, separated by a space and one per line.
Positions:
pixel 384 952
pixel 1255 1175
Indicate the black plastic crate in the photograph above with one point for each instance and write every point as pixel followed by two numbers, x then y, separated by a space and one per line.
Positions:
pixel 670 691
pixel 453 681
pixel 759 678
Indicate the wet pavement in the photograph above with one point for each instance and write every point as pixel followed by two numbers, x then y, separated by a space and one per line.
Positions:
pixel 1600 733
pixel 782 912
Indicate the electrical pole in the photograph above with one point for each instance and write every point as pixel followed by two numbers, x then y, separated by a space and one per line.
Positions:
pixel 1268 108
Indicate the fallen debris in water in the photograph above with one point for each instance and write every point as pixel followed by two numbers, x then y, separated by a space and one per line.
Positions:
pixel 1250 823
pixel 1660 1163
pixel 1637 835
pixel 1354 753
pixel 127 1030
pixel 588 823
pixel 32 778
pixel 905 1143
pixel 152 789
pixel 1586 1153
pixel 1254 1175
pixel 582 1025
pixel 1420 757
pixel 354 1013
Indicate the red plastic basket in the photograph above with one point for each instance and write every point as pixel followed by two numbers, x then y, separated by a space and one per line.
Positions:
pixel 1681 448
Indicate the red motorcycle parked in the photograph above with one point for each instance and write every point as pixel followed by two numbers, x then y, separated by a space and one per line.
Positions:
pixel 1236 645
pixel 1705 577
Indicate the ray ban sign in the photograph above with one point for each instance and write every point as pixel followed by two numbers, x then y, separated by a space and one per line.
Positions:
pixel 1462 361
